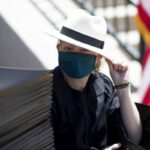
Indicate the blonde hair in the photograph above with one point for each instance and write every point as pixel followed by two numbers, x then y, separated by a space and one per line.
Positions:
pixel 97 66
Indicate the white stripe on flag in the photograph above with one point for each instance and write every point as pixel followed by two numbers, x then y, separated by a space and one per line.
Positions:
pixel 145 80
pixel 146 6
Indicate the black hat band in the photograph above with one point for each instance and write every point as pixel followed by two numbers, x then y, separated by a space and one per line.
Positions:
pixel 82 38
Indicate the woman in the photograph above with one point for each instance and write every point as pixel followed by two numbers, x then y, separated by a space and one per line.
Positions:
pixel 87 108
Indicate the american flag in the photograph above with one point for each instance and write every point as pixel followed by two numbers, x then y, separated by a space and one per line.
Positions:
pixel 144 90
pixel 143 24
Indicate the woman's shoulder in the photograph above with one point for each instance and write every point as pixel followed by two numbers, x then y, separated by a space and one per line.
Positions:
pixel 104 84
pixel 103 78
pixel 104 87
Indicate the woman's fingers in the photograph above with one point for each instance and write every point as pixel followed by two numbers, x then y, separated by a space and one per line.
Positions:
pixel 110 63
pixel 118 66
pixel 113 147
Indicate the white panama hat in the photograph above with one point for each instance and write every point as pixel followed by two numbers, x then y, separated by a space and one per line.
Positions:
pixel 83 30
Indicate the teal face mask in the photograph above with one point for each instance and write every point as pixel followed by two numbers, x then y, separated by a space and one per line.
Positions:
pixel 76 65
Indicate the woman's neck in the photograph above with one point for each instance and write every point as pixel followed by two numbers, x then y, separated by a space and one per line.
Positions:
pixel 77 84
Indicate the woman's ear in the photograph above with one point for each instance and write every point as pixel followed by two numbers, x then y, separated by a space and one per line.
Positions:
pixel 98 57
pixel 58 45
pixel 97 63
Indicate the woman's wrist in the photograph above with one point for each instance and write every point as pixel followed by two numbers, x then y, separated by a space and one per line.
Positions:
pixel 125 92
pixel 121 86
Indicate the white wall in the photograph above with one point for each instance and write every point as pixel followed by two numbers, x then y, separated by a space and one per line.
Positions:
pixel 23 43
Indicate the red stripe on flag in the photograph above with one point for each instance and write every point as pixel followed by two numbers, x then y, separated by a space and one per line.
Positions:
pixel 146 99
pixel 144 16
pixel 145 57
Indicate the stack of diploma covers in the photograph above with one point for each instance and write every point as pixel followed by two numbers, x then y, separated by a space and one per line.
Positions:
pixel 25 104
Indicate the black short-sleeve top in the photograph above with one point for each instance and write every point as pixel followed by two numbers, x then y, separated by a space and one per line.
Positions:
pixel 80 119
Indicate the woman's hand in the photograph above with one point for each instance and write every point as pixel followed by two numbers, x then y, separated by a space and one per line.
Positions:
pixel 118 71
pixel 113 147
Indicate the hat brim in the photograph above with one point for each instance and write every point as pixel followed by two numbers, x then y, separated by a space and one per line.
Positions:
pixel 58 35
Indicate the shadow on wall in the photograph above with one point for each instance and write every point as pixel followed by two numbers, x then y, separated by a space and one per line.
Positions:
pixel 13 51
